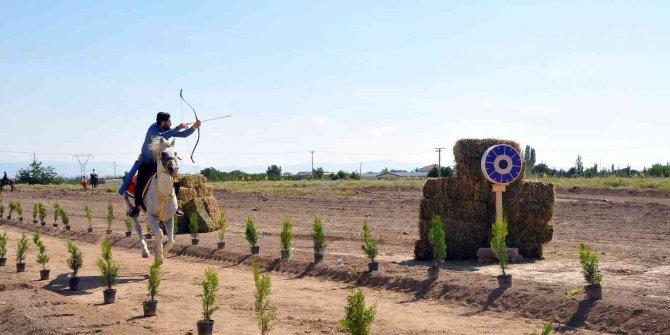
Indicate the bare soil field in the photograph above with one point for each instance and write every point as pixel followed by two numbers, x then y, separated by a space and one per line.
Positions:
pixel 631 233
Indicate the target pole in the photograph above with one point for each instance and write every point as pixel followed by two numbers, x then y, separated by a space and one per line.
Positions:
pixel 498 189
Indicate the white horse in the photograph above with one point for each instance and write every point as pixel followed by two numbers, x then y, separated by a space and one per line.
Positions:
pixel 160 200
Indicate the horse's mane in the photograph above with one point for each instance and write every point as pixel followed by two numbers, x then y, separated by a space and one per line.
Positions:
pixel 157 146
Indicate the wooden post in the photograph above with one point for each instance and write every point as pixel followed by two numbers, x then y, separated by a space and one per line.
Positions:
pixel 499 189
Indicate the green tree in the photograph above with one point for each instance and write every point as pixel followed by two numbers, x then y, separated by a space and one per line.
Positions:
pixel 286 236
pixel 274 172
pixel 369 246
pixel 498 244
pixel 318 173
pixel 318 236
pixel 210 285
pixel 529 158
pixel 265 311
pixel 250 233
pixel 358 318
pixel 35 173
pixel 109 270
pixel 579 166
pixel 590 267
pixel 437 238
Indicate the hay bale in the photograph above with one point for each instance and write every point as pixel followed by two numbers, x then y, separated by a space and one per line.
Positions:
pixel 193 181
pixel 430 207
pixel 464 237
pixel 469 189
pixel 468 156
pixel 423 250
pixel 424 227
pixel 197 206
pixel 212 208
pixel 205 191
pixel 433 188
pixel 186 194
pixel 467 210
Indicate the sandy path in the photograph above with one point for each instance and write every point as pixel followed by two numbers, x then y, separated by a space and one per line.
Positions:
pixel 306 305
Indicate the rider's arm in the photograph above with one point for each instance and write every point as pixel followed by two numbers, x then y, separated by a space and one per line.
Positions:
pixel 184 133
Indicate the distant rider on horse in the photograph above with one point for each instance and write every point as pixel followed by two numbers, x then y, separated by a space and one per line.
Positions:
pixel 147 166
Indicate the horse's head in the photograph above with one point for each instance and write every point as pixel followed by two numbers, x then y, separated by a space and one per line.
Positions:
pixel 164 153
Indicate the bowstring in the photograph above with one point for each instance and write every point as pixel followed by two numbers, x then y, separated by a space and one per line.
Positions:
pixel 181 108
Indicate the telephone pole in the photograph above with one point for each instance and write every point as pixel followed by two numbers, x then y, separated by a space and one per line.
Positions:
pixel 439 161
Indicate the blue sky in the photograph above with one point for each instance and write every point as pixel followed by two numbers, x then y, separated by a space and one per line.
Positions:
pixel 354 81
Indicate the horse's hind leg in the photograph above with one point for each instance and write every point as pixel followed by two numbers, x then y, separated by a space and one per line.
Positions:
pixel 138 230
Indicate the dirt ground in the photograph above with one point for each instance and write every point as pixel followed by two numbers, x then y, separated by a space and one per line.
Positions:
pixel 629 231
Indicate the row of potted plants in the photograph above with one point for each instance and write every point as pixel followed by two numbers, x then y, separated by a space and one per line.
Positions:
pixel 40 212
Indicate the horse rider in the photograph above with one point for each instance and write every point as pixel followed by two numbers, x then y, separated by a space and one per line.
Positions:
pixel 147 165
pixel 4 178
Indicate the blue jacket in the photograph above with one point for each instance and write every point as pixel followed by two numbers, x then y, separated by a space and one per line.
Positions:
pixel 154 132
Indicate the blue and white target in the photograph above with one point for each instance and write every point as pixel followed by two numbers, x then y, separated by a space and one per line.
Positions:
pixel 501 164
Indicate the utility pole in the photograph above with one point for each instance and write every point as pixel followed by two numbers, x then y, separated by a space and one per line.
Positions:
pixel 313 165
pixel 83 160
pixel 439 161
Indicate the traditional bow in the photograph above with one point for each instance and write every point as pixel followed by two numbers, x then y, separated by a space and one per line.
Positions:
pixel 196 118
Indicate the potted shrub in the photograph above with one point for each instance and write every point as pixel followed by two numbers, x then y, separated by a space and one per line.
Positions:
pixel 43 214
pixel 437 239
pixel 36 209
pixel 548 328
pixel 21 252
pixel 591 271
pixel 370 247
pixel 193 228
pixel 357 319
pixel 65 218
pixel 151 306
pixel 109 272
pixel 75 263
pixel 3 248
pixel 110 217
pixel 252 236
pixel 19 210
pixel 57 210
pixel 265 311
pixel 129 226
pixel 42 257
pixel 319 239
pixel 89 217
pixel 499 248
pixel 286 239
pixel 12 209
pixel 210 285
pixel 222 224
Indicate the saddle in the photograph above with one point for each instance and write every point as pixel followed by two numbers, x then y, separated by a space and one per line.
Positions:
pixel 133 183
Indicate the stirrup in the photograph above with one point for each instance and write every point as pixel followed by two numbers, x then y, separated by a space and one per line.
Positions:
pixel 133 212
pixel 179 213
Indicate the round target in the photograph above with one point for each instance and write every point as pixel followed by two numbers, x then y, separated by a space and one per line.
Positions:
pixel 501 164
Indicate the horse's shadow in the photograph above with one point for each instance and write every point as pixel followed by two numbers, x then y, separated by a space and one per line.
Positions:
pixel 87 284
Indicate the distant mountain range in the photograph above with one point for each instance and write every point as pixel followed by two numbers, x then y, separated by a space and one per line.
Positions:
pixel 106 169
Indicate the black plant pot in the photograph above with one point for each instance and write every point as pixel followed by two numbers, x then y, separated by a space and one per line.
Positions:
pixel 9 217
pixel 255 250
pixel 20 267
pixel 74 283
pixel 221 245
pixel 109 231
pixel 3 261
pixel 205 328
pixel 148 236
pixel 285 254
pixel 373 266
pixel 318 257
pixel 594 291
pixel 90 230
pixel 21 219
pixel 433 273
pixel 34 221
pixel 195 241
pixel 43 224
pixel 504 281
pixel 67 227
pixel 44 274
pixel 150 307
pixel 55 225
pixel 128 234
pixel 109 295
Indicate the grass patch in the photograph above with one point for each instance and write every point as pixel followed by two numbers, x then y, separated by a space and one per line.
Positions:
pixel 316 187
pixel 635 183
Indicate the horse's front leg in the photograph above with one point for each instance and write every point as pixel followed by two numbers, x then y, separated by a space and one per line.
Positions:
pixel 158 234
pixel 169 227
pixel 140 234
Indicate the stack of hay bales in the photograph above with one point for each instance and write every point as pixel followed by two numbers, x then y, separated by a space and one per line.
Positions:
pixel 196 196
pixel 466 205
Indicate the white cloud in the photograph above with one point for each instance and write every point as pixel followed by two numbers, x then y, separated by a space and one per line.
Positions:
pixel 319 119
pixel 383 130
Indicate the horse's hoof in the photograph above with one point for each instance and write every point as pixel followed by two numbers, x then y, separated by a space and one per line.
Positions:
pixel 145 254
pixel 168 246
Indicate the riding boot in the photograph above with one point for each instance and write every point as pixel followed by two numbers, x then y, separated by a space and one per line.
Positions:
pixel 177 185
